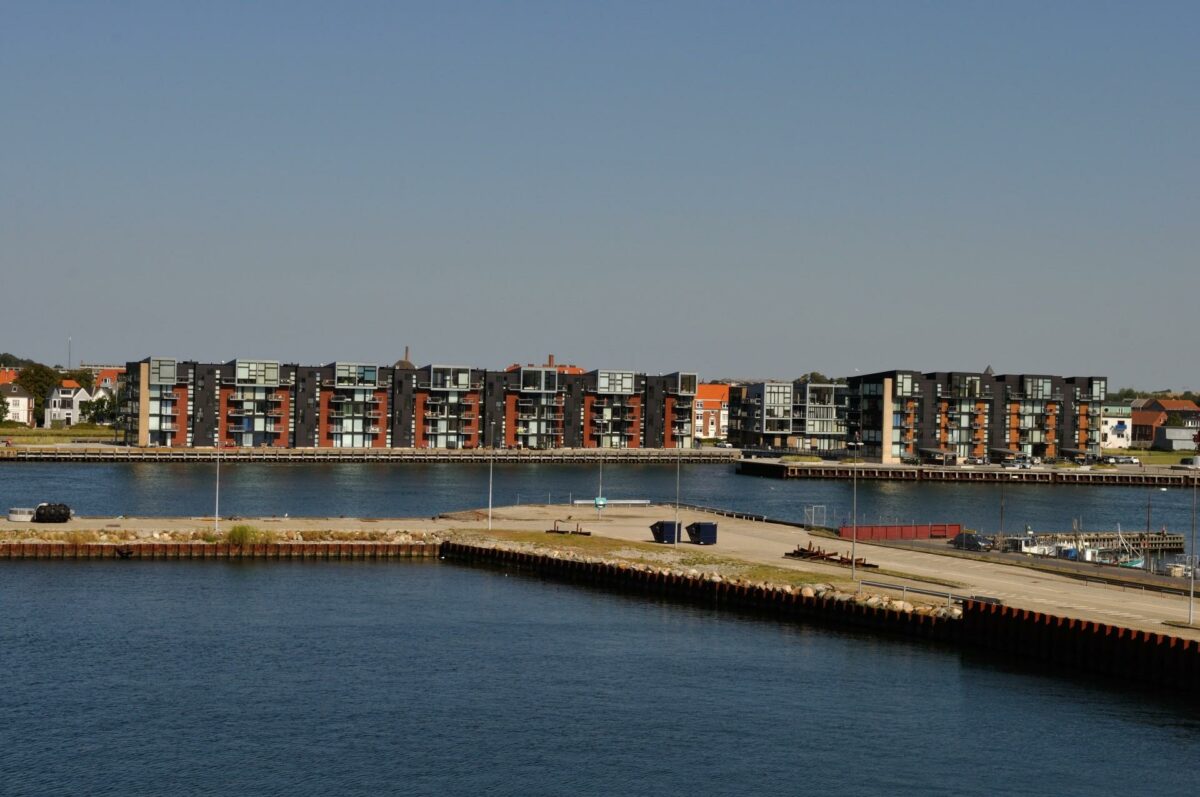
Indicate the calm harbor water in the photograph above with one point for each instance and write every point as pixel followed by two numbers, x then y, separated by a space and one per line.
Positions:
pixel 415 490
pixel 402 678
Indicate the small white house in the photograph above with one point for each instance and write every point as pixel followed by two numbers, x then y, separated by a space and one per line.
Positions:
pixel 63 405
pixel 1116 426
pixel 20 403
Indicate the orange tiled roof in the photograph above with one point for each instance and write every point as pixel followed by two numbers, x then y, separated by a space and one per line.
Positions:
pixel 70 383
pixel 111 374
pixel 712 392
pixel 1148 417
pixel 1177 405
pixel 9 375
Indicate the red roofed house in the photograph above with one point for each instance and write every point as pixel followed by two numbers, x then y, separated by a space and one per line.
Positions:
pixel 1151 428
pixel 712 411
pixel 107 378
pixel 8 375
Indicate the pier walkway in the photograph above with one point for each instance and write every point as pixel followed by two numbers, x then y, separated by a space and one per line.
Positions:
pixel 988 474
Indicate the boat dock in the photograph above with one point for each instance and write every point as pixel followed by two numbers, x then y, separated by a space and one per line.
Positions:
pixel 1155 543
pixel 1151 477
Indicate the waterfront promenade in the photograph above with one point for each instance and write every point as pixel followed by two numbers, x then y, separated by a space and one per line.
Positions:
pixel 115 453
pixel 748 541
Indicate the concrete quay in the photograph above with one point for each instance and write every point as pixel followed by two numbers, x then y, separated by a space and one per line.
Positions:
pixel 114 453
pixel 1120 476
pixel 741 538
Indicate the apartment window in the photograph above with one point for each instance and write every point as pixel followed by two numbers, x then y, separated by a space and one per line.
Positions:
pixel 539 380
pixel 615 382
pixel 256 372
pixel 162 371
pixel 355 375
pixel 1037 387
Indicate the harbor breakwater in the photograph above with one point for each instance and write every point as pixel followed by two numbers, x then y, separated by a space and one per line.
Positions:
pixel 1065 644
pixel 1069 645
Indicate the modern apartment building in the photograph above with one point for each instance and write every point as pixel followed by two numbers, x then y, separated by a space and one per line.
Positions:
pixel 526 407
pixel 605 409
pixel 761 415
pixel 254 403
pixel 801 415
pixel 343 405
pixel 947 416
pixel 158 403
pixel 670 400
pixel 438 406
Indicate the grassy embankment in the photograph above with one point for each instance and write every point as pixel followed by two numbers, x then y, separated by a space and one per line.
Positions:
pixel 1151 457
pixel 36 436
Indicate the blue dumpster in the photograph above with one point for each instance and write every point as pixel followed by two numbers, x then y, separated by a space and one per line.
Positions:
pixel 665 531
pixel 702 533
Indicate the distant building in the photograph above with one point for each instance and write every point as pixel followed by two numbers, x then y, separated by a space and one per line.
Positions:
pixel 800 415
pixel 818 417
pixel 8 375
pixel 64 404
pixel 1116 426
pixel 20 403
pixel 1153 427
pixel 947 416
pixel 670 400
pixel 611 407
pixel 360 405
pixel 711 418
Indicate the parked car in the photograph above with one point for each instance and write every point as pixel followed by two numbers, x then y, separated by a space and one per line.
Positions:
pixel 970 541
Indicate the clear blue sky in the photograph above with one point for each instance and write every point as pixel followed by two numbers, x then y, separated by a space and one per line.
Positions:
pixel 736 189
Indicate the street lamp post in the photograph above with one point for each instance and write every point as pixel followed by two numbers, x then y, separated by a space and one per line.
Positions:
pixel 1192 569
pixel 678 459
pixel 857 444
pixel 491 462
pixel 217 498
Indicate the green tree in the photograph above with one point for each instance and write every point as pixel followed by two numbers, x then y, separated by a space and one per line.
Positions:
pixel 101 410
pixel 38 380
pixel 1174 419
pixel 3 410
pixel 13 361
